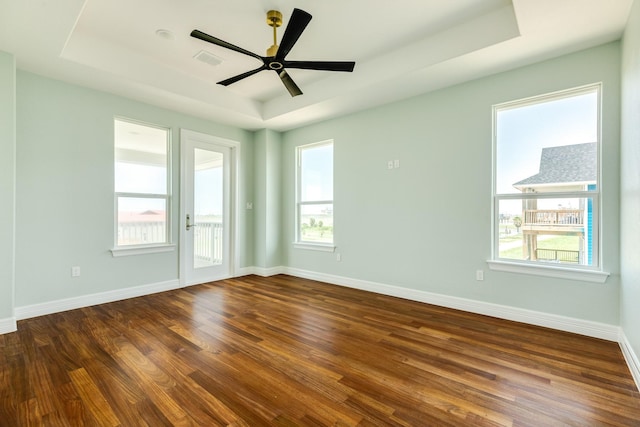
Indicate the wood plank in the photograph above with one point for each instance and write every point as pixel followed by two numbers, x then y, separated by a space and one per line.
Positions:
pixel 285 351
pixel 93 399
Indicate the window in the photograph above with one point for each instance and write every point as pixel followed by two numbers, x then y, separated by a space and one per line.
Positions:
pixel 546 172
pixel 142 196
pixel 314 195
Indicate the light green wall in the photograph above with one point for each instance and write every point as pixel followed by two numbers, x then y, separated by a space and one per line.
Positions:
pixel 268 184
pixel 426 225
pixel 7 181
pixel 423 226
pixel 65 208
pixel 630 182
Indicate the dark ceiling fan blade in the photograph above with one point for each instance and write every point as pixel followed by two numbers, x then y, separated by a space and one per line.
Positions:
pixel 207 38
pixel 239 77
pixel 291 86
pixel 321 65
pixel 297 23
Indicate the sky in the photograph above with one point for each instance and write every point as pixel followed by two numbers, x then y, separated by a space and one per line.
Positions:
pixel 208 192
pixel 139 178
pixel 317 174
pixel 523 132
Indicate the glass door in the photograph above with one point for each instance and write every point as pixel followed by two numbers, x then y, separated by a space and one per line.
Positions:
pixel 206 211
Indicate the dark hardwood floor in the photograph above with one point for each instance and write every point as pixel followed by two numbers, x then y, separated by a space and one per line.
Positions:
pixel 284 351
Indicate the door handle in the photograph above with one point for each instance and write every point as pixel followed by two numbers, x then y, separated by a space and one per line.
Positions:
pixel 189 225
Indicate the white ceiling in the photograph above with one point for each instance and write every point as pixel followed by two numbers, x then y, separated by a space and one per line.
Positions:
pixel 401 49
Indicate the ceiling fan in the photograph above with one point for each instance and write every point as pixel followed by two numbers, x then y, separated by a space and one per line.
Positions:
pixel 275 59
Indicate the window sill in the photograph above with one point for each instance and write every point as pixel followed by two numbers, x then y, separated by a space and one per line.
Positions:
pixel 594 276
pixel 141 250
pixel 323 247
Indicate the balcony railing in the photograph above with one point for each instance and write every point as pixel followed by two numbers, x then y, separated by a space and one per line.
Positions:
pixel 141 232
pixel 560 217
pixel 559 255
pixel 207 242
pixel 207 238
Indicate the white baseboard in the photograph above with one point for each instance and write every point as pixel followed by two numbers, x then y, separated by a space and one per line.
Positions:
pixel 244 271
pixel 553 321
pixel 631 357
pixel 8 325
pixel 578 326
pixel 562 323
pixel 26 312
pixel 260 271
pixel 568 324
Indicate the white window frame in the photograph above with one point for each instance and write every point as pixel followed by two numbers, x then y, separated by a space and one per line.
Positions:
pixel 592 273
pixel 299 243
pixel 166 245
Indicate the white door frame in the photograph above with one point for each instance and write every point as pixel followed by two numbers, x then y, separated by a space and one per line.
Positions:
pixel 234 147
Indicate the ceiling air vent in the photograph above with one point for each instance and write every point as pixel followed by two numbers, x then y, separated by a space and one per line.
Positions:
pixel 208 58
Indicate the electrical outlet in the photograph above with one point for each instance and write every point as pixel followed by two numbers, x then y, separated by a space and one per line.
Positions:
pixel 396 163
pixel 75 271
pixel 249 205
pixel 390 164
pixel 479 275
pixel 338 257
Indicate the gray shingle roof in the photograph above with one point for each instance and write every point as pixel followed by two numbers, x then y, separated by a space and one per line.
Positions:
pixel 567 163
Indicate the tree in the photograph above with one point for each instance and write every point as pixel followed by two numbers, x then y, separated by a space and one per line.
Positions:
pixel 517 222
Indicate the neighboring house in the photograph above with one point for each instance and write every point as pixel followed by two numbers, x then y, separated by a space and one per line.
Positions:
pixel 565 168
